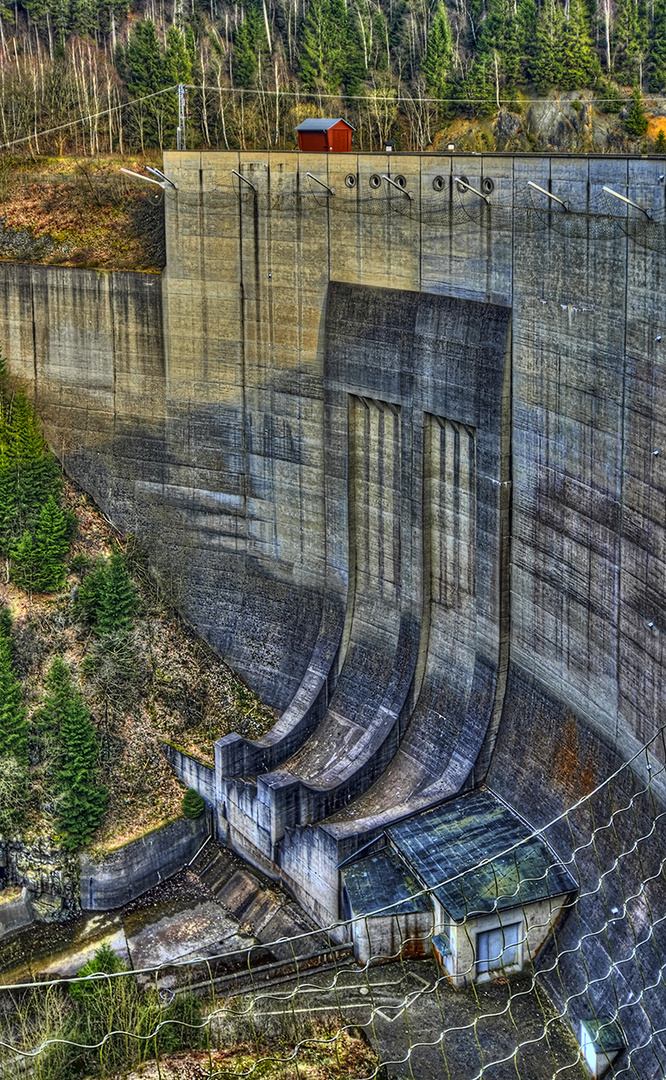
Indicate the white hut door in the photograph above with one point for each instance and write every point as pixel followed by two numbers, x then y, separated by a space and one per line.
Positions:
pixel 497 948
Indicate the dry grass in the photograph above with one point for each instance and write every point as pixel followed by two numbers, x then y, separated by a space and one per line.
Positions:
pixel 82 213
pixel 320 1058
pixel 177 689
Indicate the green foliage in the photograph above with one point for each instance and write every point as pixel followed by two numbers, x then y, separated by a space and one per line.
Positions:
pixel 250 47
pixel 330 54
pixel 637 122
pixel 438 59
pixel 14 794
pixel 29 473
pixel 13 723
pixel 548 62
pixel 657 47
pixel 71 742
pixel 581 65
pixel 38 561
pixel 630 38
pixel 611 99
pixel 193 804
pixel 13 736
pixel 660 142
pixel 107 597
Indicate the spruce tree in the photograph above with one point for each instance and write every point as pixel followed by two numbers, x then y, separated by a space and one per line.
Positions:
pixel 660 142
pixel 117 602
pixel 29 472
pixel 67 729
pixel 144 67
pixel 438 59
pixel 245 63
pixel 479 89
pixel 581 65
pixel 548 68
pixel 26 563
pixel 657 47
pixel 13 723
pixel 51 544
pixel 330 55
pixel 637 122
pixel 630 38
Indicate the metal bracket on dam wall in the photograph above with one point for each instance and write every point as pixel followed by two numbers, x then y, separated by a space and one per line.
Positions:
pixel 404 461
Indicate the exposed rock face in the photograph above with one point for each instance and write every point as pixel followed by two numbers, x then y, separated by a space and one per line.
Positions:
pixel 509 132
pixel 565 123
pixel 50 875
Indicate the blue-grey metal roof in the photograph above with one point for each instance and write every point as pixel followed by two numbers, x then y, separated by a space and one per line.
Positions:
pixel 381 880
pixel 321 125
pixel 452 839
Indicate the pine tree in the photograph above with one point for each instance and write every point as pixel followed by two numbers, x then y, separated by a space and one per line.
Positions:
pixel 330 55
pixel 438 59
pixel 660 142
pixel 144 67
pixel 26 563
pixel 548 70
pixel 245 63
pixel 480 90
pixel 630 42
pixel 68 731
pixel 29 472
pixel 51 546
pixel 637 122
pixel 581 65
pixel 657 48
pixel 117 603
pixel 13 723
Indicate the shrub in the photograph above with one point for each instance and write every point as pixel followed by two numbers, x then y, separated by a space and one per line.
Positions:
pixel 193 804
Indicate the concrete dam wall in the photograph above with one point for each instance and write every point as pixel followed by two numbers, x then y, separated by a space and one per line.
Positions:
pixel 403 456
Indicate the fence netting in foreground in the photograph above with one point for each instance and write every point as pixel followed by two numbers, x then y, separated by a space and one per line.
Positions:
pixel 397 1015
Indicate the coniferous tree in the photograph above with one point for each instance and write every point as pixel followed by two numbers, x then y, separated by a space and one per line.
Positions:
pixel 479 90
pixel 117 603
pixel 330 54
pixel 660 142
pixel 657 47
pixel 29 472
pixel 69 734
pixel 13 723
pixel 51 544
pixel 26 563
pixel 548 61
pixel 637 122
pixel 581 65
pixel 144 68
pixel 630 43
pixel 438 59
pixel 249 46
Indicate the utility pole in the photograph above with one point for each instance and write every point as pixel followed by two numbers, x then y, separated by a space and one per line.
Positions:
pixel 181 136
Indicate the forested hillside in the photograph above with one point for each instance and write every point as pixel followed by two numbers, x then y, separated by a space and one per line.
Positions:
pixel 95 667
pixel 257 67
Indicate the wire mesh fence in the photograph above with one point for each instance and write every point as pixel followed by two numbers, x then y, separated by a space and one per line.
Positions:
pixel 595 978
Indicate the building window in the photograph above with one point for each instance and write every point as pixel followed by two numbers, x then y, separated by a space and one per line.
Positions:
pixel 498 948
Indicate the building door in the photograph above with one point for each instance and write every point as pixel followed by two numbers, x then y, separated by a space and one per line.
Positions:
pixel 498 948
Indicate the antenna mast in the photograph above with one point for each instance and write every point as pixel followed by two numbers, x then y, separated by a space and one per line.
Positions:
pixel 181 137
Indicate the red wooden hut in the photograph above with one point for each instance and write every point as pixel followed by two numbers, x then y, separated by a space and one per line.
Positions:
pixel 332 135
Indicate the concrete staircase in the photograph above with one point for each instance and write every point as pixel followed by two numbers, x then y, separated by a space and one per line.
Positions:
pixel 287 939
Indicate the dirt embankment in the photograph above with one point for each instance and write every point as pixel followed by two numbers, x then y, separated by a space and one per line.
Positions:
pixel 80 212
pixel 167 685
